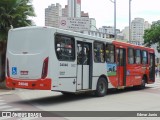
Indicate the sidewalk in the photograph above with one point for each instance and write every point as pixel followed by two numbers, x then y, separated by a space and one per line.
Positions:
pixel 157 77
pixel 5 91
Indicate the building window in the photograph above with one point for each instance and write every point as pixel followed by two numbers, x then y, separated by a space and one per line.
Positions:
pixel 99 52
pixel 110 56
pixel 65 48
pixel 130 55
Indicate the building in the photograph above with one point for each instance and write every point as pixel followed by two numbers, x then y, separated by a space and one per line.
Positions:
pixel 109 30
pixel 74 8
pixel 96 34
pixel 65 11
pixel 125 33
pixel 83 14
pixel 138 25
pixel 52 14
pixel 93 24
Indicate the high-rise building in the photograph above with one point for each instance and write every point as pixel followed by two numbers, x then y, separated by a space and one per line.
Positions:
pixel 52 14
pixel 138 26
pixel 74 8
pixel 125 33
pixel 65 11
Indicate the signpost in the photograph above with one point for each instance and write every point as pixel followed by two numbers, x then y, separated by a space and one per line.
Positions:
pixel 74 24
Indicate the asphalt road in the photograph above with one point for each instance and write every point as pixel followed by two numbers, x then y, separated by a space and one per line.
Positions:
pixel 121 100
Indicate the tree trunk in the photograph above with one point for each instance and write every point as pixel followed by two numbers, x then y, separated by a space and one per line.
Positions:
pixel 2 63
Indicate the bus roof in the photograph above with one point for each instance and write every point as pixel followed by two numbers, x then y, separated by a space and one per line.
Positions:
pixel 67 32
pixel 85 36
pixel 132 45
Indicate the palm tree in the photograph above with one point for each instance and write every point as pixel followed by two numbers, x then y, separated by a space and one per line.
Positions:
pixel 13 13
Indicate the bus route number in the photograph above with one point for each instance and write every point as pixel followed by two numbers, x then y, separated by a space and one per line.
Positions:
pixel 23 83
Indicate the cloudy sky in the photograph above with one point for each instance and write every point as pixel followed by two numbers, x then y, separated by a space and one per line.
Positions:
pixel 103 11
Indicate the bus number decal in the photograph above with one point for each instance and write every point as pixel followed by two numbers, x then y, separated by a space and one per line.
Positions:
pixel 64 64
pixel 23 83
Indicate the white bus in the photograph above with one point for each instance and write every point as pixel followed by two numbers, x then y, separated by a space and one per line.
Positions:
pixel 48 58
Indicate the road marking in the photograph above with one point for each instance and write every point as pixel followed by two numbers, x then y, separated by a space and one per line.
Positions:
pixel 13 109
pixel 4 107
pixel 29 118
pixel 3 103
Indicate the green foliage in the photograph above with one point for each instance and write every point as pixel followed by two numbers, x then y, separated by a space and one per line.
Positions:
pixel 152 35
pixel 14 13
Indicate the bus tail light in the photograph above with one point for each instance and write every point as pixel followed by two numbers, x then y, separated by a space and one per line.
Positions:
pixel 45 68
pixel 8 73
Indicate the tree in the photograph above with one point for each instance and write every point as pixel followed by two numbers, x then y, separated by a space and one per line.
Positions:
pixel 152 35
pixel 13 13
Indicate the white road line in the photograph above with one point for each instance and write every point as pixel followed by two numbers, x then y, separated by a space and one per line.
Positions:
pixel 3 103
pixel 29 118
pixel 3 107
pixel 12 109
pixel 5 118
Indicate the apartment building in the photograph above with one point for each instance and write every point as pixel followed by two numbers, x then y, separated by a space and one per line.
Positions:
pixel 74 8
pixel 138 25
pixel 52 14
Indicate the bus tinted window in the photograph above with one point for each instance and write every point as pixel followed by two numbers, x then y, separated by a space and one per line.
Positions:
pixel 138 56
pixel 144 57
pixel 131 56
pixel 98 52
pixel 110 53
pixel 64 48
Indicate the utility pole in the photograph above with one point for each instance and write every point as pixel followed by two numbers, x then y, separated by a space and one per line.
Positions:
pixel 115 34
pixel 130 21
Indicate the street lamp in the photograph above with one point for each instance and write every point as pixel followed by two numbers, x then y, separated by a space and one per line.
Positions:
pixel 115 34
pixel 130 20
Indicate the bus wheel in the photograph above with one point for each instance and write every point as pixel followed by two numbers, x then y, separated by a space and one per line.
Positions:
pixel 101 87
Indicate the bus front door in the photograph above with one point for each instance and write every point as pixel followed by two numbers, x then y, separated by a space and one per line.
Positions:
pixel 84 65
pixel 121 67
pixel 152 67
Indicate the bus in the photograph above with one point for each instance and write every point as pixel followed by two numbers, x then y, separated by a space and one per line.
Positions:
pixel 48 58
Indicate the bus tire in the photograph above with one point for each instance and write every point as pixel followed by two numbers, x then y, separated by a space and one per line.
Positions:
pixel 101 89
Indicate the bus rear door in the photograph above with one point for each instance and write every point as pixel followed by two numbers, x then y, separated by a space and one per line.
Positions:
pixel 121 66
pixel 84 65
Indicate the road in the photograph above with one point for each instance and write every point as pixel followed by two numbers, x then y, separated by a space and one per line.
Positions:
pixel 121 100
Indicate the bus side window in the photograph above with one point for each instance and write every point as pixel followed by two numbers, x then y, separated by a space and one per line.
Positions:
pixel 131 56
pixel 64 47
pixel 110 53
pixel 99 52
pixel 144 57
pixel 137 56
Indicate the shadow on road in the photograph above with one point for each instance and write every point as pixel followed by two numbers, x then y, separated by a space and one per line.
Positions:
pixel 58 99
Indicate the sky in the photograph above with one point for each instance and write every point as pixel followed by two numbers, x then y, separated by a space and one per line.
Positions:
pixel 103 11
